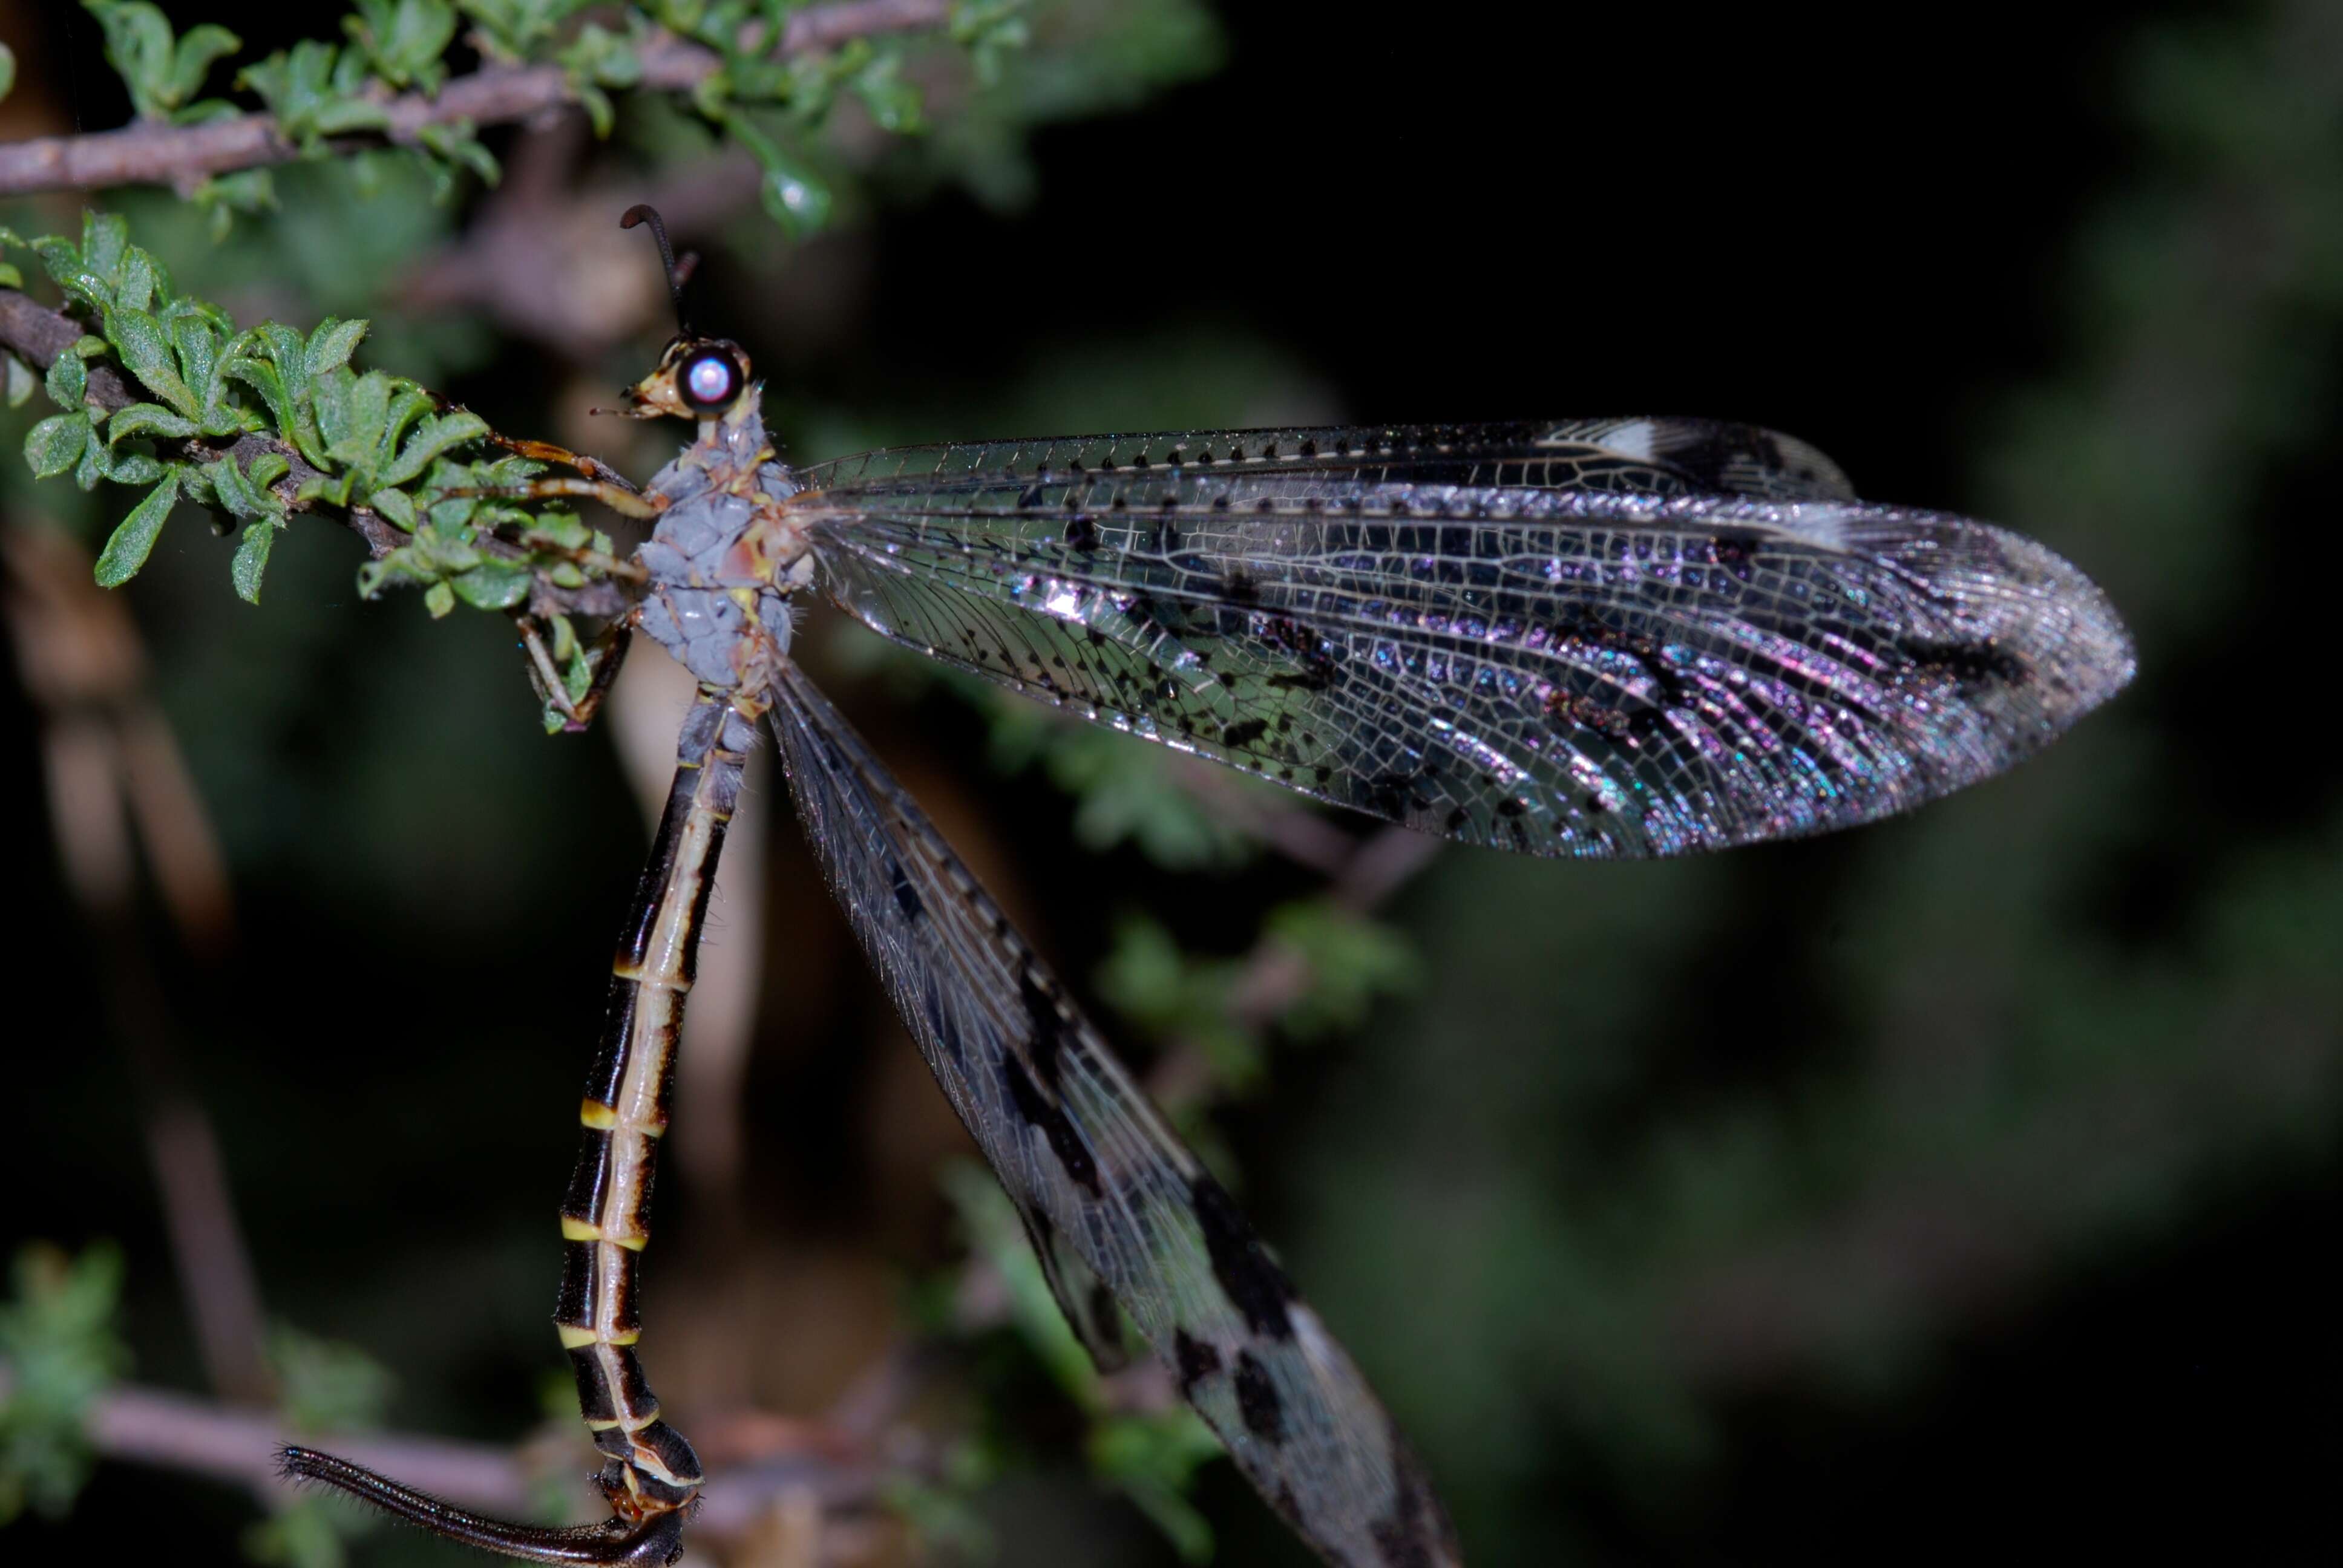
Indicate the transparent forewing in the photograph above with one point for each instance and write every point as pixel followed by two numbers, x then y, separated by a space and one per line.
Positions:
pixel 1092 1164
pixel 1606 638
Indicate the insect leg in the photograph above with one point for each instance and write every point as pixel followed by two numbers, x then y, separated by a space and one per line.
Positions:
pixel 542 451
pixel 621 498
pixel 546 452
pixel 603 657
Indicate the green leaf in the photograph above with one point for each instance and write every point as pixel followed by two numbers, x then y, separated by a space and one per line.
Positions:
pixel 313 92
pixel 55 443
pixel 9 277
pixel 61 259
pixel 395 505
pixel 105 240
pixel 353 420
pixel 404 39
pixel 58 1342
pixel 305 1532
pixel 7 73
pixel 234 491
pixel 290 357
pixel 197 347
pixel 331 344
pixel 327 1385
pixel 454 143
pixel 263 379
pixel 1352 961
pixel 329 400
pixel 341 116
pixel 187 306
pixel 136 467
pixel 893 102
pixel 131 543
pixel 96 460
pixel 407 403
pixel 138 47
pixel 439 600
pixel 204 44
pixel 492 584
pixel 68 381
pixel 147 420
pixel 144 281
pixel 794 195
pixel 1153 1457
pixel 222 196
pixel 21 382
pixel 599 59
pixel 251 562
pixel 145 349
pixel 433 438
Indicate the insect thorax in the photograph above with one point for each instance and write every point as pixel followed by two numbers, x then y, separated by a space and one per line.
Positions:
pixel 713 600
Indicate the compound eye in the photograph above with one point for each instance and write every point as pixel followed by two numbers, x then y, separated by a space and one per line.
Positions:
pixel 710 381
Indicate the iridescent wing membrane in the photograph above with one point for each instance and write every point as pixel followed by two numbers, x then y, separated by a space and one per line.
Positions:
pixel 1611 638
pixel 1095 1172
pixel 1628 637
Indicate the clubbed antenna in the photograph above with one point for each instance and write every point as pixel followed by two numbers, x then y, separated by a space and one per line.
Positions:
pixel 643 211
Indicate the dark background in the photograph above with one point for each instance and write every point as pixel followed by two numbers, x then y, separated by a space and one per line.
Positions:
pixel 1956 1186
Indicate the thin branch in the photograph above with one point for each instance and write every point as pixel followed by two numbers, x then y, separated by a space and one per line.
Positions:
pixel 156 154
pixel 198 1437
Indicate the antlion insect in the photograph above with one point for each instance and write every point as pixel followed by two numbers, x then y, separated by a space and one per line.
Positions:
pixel 1612 637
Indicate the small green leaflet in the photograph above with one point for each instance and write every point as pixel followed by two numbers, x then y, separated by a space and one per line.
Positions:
pixel 128 550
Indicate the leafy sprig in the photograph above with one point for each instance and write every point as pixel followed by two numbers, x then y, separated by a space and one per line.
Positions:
pixel 258 422
pixel 60 1350
pixel 744 65
pixel 164 72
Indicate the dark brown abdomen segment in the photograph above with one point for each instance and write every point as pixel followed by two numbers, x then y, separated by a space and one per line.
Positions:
pixel 606 1214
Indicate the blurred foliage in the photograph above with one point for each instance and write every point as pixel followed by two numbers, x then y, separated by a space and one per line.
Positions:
pixel 1348 962
pixel 1125 793
pixel 322 1387
pixel 58 1353
pixel 318 90
pixel 1149 1455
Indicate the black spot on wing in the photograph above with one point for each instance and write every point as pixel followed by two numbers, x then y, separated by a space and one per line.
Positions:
pixel 1736 551
pixel 1048 1027
pixel 1972 664
pixel 1057 1127
pixel 1256 1285
pixel 1417 1533
pixel 1104 1324
pixel 1245 733
pixel 1196 1360
pixel 906 896
pixel 1257 1401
